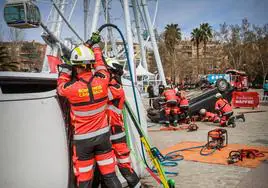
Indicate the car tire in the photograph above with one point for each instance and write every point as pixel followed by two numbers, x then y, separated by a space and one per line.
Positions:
pixel 156 103
pixel 222 85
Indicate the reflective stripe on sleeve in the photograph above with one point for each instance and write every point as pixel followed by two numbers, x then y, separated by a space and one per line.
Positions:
pixel 118 136
pixel 172 101
pixel 100 68
pixel 84 169
pixel 91 134
pixel 126 160
pixel 65 70
pixel 115 109
pixel 90 112
pixel 110 95
pixel 105 162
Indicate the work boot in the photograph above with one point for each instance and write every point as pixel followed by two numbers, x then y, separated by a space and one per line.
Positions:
pixel 241 116
pixel 231 122
pixel 175 124
pixel 167 124
pixel 233 125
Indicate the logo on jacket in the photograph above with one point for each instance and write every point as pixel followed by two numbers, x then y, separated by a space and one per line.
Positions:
pixel 83 92
pixel 97 89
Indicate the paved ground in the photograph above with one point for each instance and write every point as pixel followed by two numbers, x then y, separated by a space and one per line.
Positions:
pixel 194 174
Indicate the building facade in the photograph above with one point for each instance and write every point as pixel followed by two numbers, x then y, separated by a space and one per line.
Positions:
pixel 22 56
pixel 189 66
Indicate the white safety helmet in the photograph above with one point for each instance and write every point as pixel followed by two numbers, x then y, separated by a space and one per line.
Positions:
pixel 113 63
pixel 168 87
pixel 203 111
pixel 82 55
pixel 218 95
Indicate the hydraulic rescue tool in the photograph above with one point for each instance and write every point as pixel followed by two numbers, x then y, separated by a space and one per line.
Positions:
pixel 151 151
pixel 239 155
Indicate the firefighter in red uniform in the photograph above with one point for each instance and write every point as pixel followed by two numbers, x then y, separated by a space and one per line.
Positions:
pixel 208 116
pixel 171 109
pixel 88 97
pixel 223 107
pixel 116 122
pixel 183 105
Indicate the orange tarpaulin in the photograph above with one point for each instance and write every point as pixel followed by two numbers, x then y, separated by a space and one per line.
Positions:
pixel 220 156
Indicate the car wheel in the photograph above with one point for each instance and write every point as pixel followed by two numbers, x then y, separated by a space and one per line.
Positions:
pixel 222 85
pixel 156 103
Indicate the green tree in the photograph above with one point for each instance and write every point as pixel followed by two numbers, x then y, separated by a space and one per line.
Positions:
pixel 172 36
pixel 206 34
pixel 196 39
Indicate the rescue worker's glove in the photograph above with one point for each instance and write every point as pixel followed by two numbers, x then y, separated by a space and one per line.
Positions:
pixel 65 68
pixel 99 74
pixel 66 60
pixel 94 39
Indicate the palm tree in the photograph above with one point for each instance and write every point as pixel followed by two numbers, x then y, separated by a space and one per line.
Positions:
pixel 206 34
pixel 196 39
pixel 172 36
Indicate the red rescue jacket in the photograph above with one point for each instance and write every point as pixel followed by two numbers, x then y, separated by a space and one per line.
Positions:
pixel 88 96
pixel 115 106
pixel 170 96
pixel 209 116
pixel 223 106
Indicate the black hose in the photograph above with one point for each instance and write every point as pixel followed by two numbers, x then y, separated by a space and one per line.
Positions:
pixel 132 81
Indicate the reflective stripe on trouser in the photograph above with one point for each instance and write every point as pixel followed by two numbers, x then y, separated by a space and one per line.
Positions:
pixel 106 162
pixel 83 169
pixel 122 154
pixel 86 152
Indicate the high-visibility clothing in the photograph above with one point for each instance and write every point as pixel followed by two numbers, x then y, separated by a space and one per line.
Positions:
pixel 86 152
pixel 170 96
pixel 184 104
pixel 88 97
pixel 115 106
pixel 225 110
pixel 118 136
pixel 211 117
pixel 223 106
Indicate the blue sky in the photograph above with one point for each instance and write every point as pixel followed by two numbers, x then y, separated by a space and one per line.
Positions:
pixel 187 13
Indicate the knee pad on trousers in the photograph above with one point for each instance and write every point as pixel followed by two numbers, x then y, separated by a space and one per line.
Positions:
pixel 111 180
pixel 131 177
